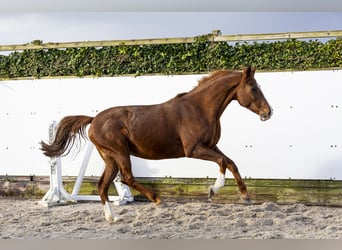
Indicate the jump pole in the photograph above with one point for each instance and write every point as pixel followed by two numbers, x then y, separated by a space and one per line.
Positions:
pixel 57 195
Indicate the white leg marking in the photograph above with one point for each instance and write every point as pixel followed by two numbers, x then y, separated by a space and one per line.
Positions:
pixel 109 214
pixel 218 183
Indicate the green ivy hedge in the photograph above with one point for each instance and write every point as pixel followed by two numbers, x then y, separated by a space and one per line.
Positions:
pixel 198 57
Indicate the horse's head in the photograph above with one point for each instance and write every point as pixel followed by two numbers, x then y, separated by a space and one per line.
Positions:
pixel 249 95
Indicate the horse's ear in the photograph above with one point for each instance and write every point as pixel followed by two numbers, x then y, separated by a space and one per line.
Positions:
pixel 248 72
pixel 252 71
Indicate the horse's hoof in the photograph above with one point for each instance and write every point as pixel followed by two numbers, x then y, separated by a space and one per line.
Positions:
pixel 108 212
pixel 157 201
pixel 247 201
pixel 109 218
pixel 117 218
pixel 210 194
pixel 113 219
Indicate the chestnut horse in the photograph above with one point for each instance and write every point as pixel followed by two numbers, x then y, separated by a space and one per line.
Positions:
pixel 185 126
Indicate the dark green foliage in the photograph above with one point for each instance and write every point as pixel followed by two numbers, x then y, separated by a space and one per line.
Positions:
pixel 198 57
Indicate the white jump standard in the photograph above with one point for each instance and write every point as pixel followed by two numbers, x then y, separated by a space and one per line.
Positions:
pixel 57 195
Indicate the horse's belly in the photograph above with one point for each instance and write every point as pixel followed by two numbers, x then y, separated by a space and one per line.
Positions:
pixel 156 150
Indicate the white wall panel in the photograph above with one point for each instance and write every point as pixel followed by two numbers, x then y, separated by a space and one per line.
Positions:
pixel 301 140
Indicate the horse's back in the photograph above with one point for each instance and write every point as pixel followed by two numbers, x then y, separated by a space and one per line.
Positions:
pixel 146 130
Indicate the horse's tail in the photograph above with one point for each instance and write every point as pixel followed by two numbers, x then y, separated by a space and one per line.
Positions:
pixel 69 129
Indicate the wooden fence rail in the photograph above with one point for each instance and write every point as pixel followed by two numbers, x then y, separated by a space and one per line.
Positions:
pixel 215 36
pixel 281 191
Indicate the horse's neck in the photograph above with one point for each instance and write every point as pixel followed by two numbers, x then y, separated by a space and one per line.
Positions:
pixel 215 96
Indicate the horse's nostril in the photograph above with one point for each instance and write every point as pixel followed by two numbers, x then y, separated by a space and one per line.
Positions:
pixel 266 115
pixel 270 113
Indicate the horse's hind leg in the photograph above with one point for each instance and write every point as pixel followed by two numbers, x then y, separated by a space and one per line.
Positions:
pixel 109 173
pixel 127 178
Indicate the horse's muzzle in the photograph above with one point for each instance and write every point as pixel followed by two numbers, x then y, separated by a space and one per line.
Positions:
pixel 267 115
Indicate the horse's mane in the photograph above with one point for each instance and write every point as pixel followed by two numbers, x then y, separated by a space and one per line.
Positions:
pixel 207 79
pixel 215 74
pixel 180 94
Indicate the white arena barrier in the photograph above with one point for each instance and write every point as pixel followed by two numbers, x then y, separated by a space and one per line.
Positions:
pixel 302 140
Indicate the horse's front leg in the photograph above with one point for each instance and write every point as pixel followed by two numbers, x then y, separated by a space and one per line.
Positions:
pixel 215 155
pixel 219 183
pixel 234 170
